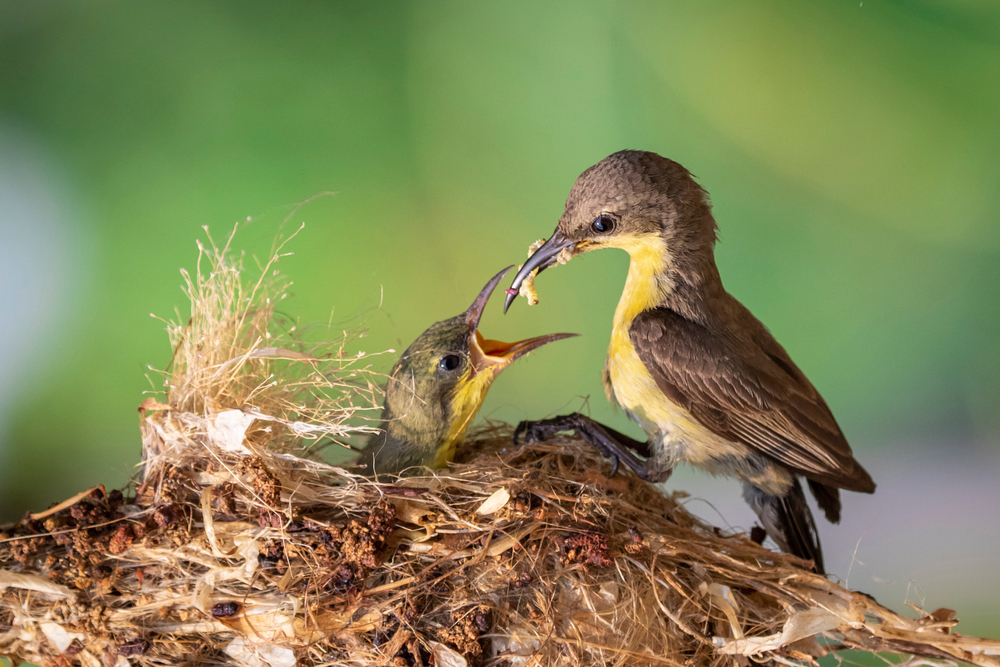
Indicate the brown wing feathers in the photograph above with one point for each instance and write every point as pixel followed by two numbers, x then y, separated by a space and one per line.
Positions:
pixel 756 397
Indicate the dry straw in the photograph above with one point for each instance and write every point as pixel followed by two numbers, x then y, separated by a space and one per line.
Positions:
pixel 240 546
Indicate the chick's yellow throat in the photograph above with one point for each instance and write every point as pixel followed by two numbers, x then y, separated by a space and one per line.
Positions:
pixel 465 404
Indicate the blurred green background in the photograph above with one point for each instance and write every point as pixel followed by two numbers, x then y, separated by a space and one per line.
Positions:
pixel 852 151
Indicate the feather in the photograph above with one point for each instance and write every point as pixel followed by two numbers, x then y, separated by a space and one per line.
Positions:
pixel 745 394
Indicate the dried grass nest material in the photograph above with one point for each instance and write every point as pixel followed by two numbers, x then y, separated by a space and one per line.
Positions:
pixel 237 547
pixel 523 556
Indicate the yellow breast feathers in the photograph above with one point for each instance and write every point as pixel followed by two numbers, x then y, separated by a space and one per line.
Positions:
pixel 631 384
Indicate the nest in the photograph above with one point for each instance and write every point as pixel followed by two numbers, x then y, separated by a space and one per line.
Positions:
pixel 239 545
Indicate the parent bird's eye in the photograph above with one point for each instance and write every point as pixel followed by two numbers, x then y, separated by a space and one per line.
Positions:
pixel 603 224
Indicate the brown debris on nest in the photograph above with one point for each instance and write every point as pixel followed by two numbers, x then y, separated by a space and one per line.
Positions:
pixel 238 547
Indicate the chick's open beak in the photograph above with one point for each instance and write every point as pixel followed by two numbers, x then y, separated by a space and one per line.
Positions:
pixel 494 355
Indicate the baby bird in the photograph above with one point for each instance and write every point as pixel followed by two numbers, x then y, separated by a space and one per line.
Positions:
pixel 437 387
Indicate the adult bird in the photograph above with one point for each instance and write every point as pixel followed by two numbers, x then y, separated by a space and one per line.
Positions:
pixel 437 387
pixel 703 377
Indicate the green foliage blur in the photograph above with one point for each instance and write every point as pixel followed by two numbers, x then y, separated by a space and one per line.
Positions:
pixel 851 151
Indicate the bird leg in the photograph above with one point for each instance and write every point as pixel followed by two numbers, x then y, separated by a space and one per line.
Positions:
pixel 614 445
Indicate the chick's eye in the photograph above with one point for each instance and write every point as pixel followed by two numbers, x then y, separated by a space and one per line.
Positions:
pixel 449 362
pixel 603 224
